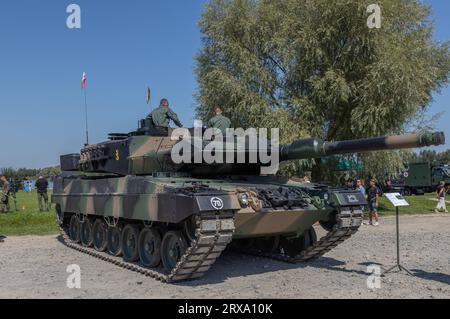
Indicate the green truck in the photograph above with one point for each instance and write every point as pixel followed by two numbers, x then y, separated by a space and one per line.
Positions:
pixel 424 177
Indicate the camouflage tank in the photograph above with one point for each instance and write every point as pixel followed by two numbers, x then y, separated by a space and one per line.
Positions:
pixel 125 201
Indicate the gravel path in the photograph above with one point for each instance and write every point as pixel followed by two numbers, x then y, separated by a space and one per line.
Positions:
pixel 35 267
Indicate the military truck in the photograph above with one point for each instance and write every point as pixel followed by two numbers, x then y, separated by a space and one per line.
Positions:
pixel 424 177
pixel 128 202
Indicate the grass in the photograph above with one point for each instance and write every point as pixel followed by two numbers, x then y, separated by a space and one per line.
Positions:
pixel 27 220
pixel 419 205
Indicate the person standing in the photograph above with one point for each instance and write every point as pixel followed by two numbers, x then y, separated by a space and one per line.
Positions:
pixel 373 195
pixel 162 116
pixel 219 121
pixel 4 196
pixel 42 187
pixel 441 192
pixel 360 188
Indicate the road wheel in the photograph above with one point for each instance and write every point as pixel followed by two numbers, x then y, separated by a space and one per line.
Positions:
pixel 150 247
pixel 130 238
pixel 114 241
pixel 173 248
pixel 86 234
pixel 305 241
pixel 293 247
pixel 99 233
pixel 312 236
pixel 74 229
pixel 190 228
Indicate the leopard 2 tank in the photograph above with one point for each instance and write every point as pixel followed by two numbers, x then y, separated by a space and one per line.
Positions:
pixel 128 202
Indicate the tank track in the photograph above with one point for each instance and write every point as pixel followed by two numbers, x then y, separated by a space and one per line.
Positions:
pixel 348 224
pixel 213 233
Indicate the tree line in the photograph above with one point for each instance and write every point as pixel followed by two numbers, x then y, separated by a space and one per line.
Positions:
pixel 29 173
pixel 432 157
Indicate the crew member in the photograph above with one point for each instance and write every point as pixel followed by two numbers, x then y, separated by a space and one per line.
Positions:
pixel 4 196
pixel 219 121
pixel 42 186
pixel 162 116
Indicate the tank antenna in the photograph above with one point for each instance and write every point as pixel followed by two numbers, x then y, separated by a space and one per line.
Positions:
pixel 83 87
pixel 149 95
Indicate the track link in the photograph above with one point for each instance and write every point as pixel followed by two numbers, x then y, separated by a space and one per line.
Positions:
pixel 348 223
pixel 213 233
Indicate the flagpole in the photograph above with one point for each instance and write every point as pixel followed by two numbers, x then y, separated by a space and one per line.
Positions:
pixel 86 114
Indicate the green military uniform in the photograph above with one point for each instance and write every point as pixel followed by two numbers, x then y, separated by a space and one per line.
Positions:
pixel 4 197
pixel 220 122
pixel 162 115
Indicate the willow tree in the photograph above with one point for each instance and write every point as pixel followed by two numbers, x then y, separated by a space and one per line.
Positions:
pixel 314 67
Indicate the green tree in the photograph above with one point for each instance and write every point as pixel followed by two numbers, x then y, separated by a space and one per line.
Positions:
pixel 430 156
pixel 314 67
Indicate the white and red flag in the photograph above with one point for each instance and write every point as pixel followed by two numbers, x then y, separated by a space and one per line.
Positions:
pixel 83 80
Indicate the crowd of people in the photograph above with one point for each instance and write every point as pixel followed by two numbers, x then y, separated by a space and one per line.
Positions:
pixel 374 192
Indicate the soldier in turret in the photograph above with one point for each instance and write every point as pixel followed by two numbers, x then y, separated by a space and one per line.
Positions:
pixel 219 121
pixel 162 116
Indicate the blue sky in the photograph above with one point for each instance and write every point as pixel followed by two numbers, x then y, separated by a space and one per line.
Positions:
pixel 123 46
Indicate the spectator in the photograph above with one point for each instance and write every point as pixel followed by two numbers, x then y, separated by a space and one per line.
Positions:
pixel 360 187
pixel 372 198
pixel 441 192
pixel 42 186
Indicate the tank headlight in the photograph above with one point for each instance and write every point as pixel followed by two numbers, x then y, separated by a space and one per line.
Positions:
pixel 244 199
pixel 326 196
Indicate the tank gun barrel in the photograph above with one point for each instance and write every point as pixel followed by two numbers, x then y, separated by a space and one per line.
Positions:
pixel 315 147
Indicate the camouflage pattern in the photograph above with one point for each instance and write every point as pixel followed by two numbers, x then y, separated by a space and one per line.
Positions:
pixel 172 200
pixel 146 155
pixel 131 184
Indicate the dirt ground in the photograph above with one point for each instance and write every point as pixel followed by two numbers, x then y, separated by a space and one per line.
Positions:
pixel 35 267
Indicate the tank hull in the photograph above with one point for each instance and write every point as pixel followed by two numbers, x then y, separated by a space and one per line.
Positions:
pixel 149 218
pixel 148 199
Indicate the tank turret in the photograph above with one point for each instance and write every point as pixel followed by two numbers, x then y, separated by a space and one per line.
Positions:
pixel 148 151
